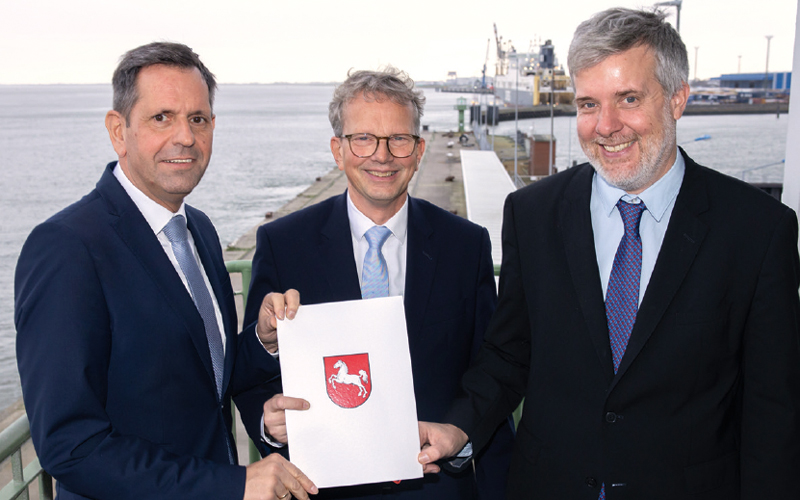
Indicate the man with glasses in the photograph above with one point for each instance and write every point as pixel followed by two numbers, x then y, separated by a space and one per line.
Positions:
pixel 440 263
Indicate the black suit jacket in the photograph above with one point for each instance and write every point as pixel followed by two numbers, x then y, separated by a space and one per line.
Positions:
pixel 113 357
pixel 706 402
pixel 450 294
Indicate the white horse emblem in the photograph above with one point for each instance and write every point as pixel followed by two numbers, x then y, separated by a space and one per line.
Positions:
pixel 343 377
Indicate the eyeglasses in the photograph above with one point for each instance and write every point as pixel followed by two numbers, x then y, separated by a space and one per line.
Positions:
pixel 365 145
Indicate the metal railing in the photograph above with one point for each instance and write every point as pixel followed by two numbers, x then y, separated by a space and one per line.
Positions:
pixel 245 268
pixel 11 441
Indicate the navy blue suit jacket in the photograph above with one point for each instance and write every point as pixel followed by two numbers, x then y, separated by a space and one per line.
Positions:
pixel 450 294
pixel 113 358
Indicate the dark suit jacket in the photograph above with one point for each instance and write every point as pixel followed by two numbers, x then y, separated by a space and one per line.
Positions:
pixel 450 294
pixel 706 403
pixel 113 358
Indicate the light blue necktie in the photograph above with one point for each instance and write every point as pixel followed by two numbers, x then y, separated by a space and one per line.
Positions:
pixel 178 236
pixel 374 274
pixel 622 296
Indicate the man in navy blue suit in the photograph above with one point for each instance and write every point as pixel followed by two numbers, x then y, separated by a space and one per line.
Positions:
pixel 127 345
pixel 440 263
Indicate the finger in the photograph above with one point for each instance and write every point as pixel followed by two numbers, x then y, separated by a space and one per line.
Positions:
pixel 279 402
pixel 273 404
pixel 277 304
pixel 431 469
pixel 429 454
pixel 300 485
pixel 290 403
pixel 423 428
pixel 292 299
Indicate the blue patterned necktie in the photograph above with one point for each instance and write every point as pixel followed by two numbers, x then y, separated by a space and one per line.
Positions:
pixel 622 296
pixel 374 274
pixel 178 236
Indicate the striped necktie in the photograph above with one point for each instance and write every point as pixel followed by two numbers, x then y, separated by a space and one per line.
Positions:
pixel 178 236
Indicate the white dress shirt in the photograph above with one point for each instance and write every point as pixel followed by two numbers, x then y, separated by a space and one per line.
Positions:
pixel 157 217
pixel 394 249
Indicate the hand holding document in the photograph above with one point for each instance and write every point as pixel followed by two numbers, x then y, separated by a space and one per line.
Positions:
pixel 350 361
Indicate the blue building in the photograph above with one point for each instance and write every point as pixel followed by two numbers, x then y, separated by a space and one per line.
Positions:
pixel 776 82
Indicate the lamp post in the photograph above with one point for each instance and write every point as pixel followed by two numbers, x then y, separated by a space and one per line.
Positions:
pixel 516 122
pixel 766 71
pixel 695 63
pixel 677 5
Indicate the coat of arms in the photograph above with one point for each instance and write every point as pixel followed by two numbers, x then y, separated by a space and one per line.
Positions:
pixel 348 379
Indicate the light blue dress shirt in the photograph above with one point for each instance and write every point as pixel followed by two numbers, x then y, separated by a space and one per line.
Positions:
pixel 608 227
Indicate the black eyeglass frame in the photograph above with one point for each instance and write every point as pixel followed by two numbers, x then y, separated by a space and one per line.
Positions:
pixel 378 144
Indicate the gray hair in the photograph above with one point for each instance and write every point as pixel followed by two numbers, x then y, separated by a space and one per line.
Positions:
pixel 616 30
pixel 133 61
pixel 389 83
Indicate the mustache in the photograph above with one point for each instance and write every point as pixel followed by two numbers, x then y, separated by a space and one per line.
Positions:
pixel 614 140
pixel 180 152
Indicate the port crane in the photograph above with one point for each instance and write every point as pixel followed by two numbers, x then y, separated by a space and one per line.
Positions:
pixel 485 60
pixel 500 69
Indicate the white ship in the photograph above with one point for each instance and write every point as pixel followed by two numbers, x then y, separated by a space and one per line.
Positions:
pixel 525 78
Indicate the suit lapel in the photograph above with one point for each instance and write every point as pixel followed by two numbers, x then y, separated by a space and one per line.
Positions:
pixel 137 235
pixel 336 245
pixel 578 241
pixel 682 241
pixel 421 257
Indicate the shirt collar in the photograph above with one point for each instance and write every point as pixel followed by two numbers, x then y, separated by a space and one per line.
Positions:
pixel 360 223
pixel 657 198
pixel 157 216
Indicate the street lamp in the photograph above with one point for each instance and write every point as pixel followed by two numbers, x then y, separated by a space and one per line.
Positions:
pixel 766 71
pixel 695 63
pixel 677 5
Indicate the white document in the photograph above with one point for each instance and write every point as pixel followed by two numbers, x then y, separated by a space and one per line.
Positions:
pixel 350 361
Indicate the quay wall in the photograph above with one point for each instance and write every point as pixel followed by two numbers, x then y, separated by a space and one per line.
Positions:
pixel 543 111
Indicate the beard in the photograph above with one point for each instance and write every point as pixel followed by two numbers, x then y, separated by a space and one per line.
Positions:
pixel 654 151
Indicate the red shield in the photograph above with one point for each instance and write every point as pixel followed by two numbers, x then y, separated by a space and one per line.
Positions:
pixel 348 379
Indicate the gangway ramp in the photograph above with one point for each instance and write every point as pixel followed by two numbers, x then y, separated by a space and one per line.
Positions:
pixel 486 185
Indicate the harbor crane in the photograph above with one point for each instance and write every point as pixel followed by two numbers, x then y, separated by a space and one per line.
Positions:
pixel 677 5
pixel 485 60
pixel 501 54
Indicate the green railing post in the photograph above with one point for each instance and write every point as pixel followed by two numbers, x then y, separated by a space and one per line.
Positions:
pixel 11 441
pixel 245 268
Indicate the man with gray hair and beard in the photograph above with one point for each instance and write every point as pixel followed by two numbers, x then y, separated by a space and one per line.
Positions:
pixel 648 305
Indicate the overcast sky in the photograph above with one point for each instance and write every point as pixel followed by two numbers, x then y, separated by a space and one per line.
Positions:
pixel 244 41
